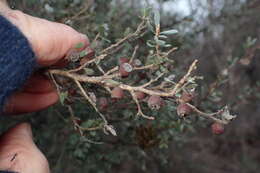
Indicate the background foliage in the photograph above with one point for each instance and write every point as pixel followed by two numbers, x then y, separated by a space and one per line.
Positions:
pixel 223 35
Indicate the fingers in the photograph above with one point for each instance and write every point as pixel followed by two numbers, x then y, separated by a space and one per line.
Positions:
pixel 38 93
pixel 20 132
pixel 39 83
pixel 24 102
pixel 52 41
pixel 18 152
pixel 21 137
pixel 56 42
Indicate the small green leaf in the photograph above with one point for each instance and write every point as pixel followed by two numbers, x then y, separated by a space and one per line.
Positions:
pixel 163 36
pixel 156 17
pixel 145 11
pixel 89 71
pixel 160 42
pixel 112 82
pixel 150 27
pixel 83 53
pixel 127 31
pixel 167 45
pixel 79 45
pixel 170 32
pixel 63 96
pixel 150 43
pixel 88 123
pixel 163 69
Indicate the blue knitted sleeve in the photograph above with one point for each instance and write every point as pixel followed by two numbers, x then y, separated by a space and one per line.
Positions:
pixel 7 172
pixel 17 60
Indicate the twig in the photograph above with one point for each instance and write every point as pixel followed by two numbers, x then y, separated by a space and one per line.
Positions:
pixel 186 76
pixel 100 57
pixel 134 53
pixel 55 83
pixel 152 80
pixel 87 5
pixel 140 112
pixel 169 52
pixel 103 81
pixel 146 67
pixel 209 115
pixel 112 70
pixel 140 27
pixel 90 101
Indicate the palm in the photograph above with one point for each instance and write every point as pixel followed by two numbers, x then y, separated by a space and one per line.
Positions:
pixel 18 152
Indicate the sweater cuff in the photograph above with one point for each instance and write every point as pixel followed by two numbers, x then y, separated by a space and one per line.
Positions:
pixel 17 60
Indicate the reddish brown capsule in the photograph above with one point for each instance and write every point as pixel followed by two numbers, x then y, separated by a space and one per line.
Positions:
pixel 187 97
pixel 123 60
pixel 217 128
pixel 155 102
pixel 140 95
pixel 102 103
pixel 183 109
pixel 125 69
pixel 117 93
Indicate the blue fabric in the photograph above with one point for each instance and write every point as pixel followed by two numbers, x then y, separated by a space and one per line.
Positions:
pixel 7 172
pixel 17 60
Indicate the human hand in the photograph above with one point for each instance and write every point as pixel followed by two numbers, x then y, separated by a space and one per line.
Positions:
pixel 51 42
pixel 18 153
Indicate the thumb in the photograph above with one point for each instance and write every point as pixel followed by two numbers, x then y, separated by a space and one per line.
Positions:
pixel 50 41
pixel 18 152
pixel 20 133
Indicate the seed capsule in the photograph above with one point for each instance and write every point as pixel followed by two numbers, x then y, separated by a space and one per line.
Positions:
pixel 140 95
pixel 183 109
pixel 102 103
pixel 117 93
pixel 123 60
pixel 187 97
pixel 217 128
pixel 125 69
pixel 155 102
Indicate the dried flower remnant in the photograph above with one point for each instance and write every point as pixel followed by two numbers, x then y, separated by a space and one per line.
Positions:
pixel 125 69
pixel 155 102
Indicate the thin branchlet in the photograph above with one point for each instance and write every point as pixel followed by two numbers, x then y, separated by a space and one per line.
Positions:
pixel 111 78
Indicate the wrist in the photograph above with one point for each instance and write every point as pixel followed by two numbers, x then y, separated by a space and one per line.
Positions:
pixel 17 59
